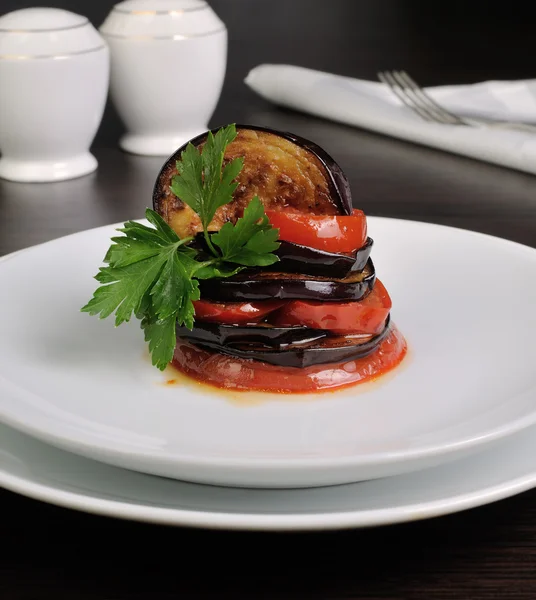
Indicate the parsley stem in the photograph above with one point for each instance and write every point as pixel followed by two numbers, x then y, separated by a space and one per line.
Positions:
pixel 205 263
pixel 210 244
pixel 185 240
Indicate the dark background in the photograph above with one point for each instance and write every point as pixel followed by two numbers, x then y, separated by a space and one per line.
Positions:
pixel 437 43
pixel 454 42
pixel 487 553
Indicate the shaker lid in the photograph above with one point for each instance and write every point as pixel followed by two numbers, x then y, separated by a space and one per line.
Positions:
pixel 40 19
pixel 46 33
pixel 145 6
pixel 161 19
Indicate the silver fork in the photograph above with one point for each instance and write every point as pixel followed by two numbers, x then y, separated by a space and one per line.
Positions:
pixel 420 102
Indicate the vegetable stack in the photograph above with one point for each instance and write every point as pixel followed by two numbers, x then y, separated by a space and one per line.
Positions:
pixel 256 272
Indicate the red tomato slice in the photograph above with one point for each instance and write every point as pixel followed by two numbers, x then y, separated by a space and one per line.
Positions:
pixel 366 316
pixel 240 374
pixel 235 313
pixel 329 233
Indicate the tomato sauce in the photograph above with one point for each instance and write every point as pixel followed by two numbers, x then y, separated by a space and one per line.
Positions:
pixel 227 372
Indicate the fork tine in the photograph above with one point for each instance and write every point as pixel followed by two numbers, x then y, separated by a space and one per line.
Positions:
pixel 387 78
pixel 435 115
pixel 410 83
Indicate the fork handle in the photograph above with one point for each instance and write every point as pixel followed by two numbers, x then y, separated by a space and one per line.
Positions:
pixel 512 125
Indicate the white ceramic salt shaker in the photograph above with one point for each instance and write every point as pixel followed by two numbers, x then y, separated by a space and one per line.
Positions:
pixel 54 74
pixel 168 62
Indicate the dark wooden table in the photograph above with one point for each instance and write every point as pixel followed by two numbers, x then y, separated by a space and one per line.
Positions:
pixel 490 552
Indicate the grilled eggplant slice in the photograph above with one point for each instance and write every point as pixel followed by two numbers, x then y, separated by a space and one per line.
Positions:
pixel 265 335
pixel 284 170
pixel 334 349
pixel 294 258
pixel 263 285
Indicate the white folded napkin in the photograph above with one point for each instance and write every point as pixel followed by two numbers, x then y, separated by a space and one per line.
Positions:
pixel 373 106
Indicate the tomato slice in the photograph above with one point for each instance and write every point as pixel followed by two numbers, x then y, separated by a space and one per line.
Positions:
pixel 366 316
pixel 222 371
pixel 235 313
pixel 329 233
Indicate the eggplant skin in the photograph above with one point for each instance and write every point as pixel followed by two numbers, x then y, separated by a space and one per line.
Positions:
pixel 262 285
pixel 268 336
pixel 294 258
pixel 329 350
pixel 283 170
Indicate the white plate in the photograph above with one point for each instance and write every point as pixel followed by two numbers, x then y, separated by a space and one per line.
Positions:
pixel 42 472
pixel 464 301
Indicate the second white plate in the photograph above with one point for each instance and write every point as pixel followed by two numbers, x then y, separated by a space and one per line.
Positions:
pixel 464 301
pixel 39 471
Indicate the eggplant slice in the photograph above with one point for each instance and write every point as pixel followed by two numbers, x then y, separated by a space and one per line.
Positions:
pixel 294 258
pixel 330 349
pixel 265 285
pixel 265 335
pixel 283 169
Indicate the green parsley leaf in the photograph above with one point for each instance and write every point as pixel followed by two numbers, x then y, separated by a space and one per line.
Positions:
pixel 123 289
pixel 201 184
pixel 218 185
pixel 160 334
pixel 188 185
pixel 217 270
pixel 162 227
pixel 175 290
pixel 142 233
pixel 127 251
pixel 223 193
pixel 251 241
pixel 158 266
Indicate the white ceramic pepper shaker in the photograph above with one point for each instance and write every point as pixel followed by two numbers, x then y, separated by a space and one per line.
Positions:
pixel 168 62
pixel 54 74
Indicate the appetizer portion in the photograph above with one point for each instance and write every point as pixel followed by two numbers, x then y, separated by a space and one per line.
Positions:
pixel 257 272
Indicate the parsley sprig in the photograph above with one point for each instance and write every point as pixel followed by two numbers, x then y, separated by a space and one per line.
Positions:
pixel 201 182
pixel 154 275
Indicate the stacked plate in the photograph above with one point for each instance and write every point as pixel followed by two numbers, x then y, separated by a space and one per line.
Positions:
pixel 89 423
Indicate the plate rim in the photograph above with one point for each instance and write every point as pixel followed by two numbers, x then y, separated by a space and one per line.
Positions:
pixel 318 521
pixel 70 443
